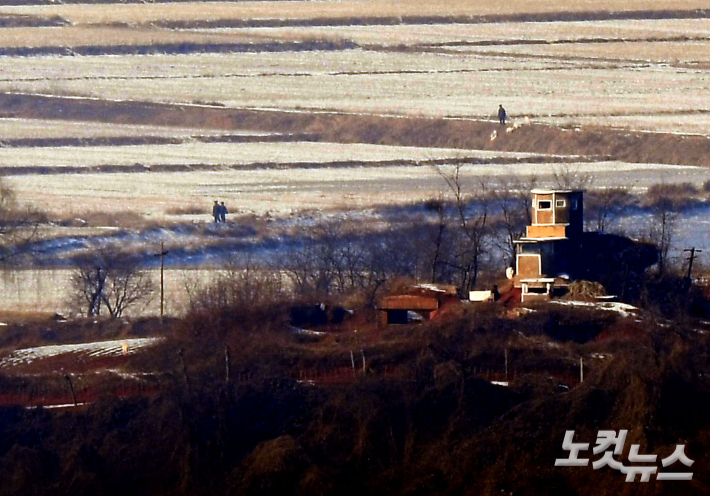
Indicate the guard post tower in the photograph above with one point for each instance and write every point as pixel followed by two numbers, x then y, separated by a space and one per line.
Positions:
pixel 547 256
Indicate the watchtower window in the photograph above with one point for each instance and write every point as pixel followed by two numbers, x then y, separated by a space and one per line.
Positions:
pixel 560 203
pixel 544 205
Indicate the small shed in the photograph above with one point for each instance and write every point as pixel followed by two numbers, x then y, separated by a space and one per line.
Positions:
pixel 396 309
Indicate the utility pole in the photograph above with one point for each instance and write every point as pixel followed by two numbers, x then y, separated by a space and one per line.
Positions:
pixel 691 259
pixel 162 278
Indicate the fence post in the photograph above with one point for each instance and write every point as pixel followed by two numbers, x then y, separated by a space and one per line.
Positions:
pixel 226 363
pixel 581 369
pixel 71 386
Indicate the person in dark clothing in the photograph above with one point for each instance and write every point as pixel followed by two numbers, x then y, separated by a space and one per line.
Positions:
pixel 502 114
pixel 215 212
pixel 223 212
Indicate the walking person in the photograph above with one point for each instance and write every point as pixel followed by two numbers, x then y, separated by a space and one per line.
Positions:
pixel 215 212
pixel 223 212
pixel 502 114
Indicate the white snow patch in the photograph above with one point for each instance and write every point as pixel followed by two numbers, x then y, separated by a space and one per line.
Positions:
pixel 500 383
pixel 64 405
pixel 95 349
pixel 128 375
pixel 414 316
pixel 623 309
pixel 430 287
pixel 308 332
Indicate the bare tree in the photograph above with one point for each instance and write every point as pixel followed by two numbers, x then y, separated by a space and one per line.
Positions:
pixel 126 286
pixel 572 176
pixel 88 283
pixel 664 217
pixel 17 225
pixel 112 280
pixel 241 282
pixel 472 212
pixel 603 206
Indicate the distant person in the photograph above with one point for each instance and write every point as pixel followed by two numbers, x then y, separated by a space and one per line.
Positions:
pixel 223 212
pixel 215 212
pixel 502 114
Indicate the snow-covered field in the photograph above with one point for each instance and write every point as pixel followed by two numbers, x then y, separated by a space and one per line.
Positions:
pixel 436 84
pixel 282 191
pixel 227 154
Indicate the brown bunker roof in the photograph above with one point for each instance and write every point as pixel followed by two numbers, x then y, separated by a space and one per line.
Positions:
pixel 408 302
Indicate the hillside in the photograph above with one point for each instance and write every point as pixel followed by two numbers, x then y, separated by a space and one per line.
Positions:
pixel 423 419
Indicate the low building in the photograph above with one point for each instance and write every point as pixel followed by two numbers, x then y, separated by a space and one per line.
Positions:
pixel 417 303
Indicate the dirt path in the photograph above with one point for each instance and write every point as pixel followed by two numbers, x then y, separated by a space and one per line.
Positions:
pixel 662 148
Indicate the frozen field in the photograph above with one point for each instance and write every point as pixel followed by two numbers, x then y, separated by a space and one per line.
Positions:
pixel 228 154
pixel 283 191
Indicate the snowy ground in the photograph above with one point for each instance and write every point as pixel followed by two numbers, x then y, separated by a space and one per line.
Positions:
pixel 282 191
pixel 95 349
pixel 622 309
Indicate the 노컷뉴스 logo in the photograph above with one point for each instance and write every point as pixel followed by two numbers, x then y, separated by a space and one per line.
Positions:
pixel 607 439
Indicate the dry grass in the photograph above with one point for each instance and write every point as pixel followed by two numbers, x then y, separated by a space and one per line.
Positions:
pixel 352 8
pixel 187 210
